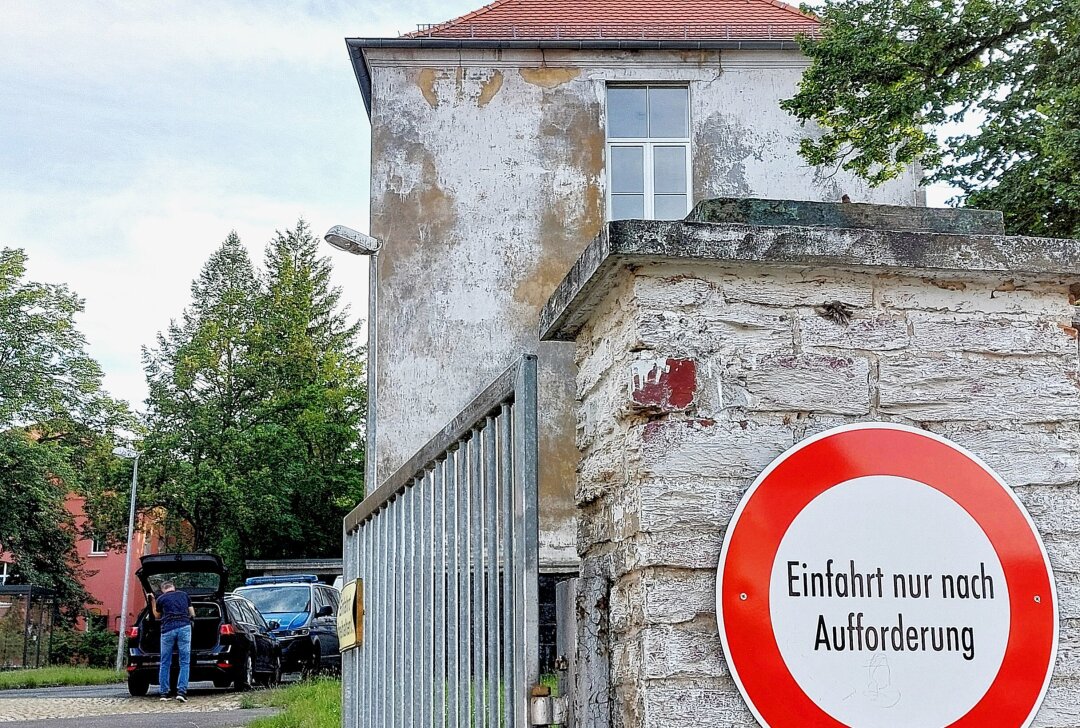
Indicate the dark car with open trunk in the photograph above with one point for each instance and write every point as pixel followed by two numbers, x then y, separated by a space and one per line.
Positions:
pixel 231 644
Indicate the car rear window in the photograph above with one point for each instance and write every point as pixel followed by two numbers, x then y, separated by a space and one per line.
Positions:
pixel 278 599
pixel 185 580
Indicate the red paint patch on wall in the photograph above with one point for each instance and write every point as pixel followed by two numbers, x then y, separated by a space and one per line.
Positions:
pixel 664 385
pixel 672 432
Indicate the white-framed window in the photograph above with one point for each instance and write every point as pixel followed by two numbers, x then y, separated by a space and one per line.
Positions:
pixel 5 572
pixel 648 152
pixel 97 545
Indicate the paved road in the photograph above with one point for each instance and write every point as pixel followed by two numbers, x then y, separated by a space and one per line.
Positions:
pixel 231 719
pixel 110 706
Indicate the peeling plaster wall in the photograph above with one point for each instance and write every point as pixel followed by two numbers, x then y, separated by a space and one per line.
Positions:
pixel 989 362
pixel 487 181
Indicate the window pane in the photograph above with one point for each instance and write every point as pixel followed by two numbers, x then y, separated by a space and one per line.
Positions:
pixel 627 169
pixel 627 206
pixel 669 170
pixel 626 112
pixel 669 112
pixel 669 207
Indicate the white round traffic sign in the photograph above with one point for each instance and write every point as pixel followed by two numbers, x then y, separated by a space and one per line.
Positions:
pixel 880 576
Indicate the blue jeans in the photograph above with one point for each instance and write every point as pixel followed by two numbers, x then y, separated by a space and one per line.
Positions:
pixel 179 639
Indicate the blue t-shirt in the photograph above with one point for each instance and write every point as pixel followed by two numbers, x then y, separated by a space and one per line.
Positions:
pixel 173 608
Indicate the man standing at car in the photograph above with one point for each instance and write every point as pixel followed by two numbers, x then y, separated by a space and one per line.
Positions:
pixel 173 609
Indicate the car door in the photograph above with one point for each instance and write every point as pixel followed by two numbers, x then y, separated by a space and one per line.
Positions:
pixel 328 625
pixel 264 643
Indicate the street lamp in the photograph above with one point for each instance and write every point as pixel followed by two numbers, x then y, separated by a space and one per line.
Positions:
pixel 357 243
pixel 128 454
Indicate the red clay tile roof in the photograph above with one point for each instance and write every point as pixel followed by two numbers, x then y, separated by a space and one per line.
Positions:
pixel 626 19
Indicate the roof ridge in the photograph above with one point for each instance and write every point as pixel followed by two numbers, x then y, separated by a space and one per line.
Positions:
pixel 462 18
pixel 529 18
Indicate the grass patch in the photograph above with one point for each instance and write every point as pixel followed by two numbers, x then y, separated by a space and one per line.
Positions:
pixel 48 677
pixel 308 704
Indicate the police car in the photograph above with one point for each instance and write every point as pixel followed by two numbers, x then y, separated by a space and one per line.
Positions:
pixel 306 612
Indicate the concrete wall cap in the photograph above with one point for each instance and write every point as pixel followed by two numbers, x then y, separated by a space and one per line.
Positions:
pixel 637 242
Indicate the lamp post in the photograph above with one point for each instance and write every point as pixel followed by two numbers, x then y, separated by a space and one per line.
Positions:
pixel 133 455
pixel 357 243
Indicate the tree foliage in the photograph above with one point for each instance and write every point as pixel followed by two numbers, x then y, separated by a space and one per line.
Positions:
pixel 256 406
pixel 886 74
pixel 57 428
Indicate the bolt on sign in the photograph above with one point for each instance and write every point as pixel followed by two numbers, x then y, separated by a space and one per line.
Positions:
pixel 880 576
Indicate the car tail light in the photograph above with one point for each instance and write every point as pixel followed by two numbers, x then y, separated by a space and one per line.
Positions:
pixel 227 629
pixel 132 632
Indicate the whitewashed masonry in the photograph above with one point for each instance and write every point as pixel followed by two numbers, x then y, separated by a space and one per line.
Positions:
pixel 704 350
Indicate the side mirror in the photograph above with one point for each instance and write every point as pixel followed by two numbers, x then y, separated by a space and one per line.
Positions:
pixel 273 624
pixel 325 611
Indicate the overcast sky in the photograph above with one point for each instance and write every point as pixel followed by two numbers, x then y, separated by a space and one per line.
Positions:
pixel 135 135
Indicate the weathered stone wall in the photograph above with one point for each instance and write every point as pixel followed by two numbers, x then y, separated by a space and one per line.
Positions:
pixel 692 378
pixel 487 181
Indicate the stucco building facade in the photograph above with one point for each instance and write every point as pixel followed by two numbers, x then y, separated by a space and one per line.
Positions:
pixel 502 142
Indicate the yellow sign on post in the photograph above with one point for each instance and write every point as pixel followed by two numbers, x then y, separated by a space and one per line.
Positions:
pixel 350 616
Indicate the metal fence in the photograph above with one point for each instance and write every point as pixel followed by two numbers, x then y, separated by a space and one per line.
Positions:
pixel 447 553
pixel 26 624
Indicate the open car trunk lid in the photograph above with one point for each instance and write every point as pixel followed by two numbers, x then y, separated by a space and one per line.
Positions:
pixel 200 575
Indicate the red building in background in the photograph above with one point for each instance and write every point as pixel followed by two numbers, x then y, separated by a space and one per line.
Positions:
pixel 104 568
pixel 105 583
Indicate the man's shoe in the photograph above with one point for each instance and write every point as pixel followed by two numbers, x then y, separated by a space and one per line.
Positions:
pixel 181 698
pixel 164 698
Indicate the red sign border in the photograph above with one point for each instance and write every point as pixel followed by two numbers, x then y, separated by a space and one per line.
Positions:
pixel 851 451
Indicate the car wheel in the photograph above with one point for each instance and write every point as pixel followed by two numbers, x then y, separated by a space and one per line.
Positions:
pixel 312 667
pixel 138 686
pixel 246 678
pixel 274 678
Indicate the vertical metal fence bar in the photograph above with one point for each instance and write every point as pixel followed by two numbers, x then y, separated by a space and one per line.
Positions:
pixel 476 597
pixel 408 604
pixel 393 675
pixel 462 547
pixel 386 590
pixel 420 607
pixel 441 509
pixel 491 475
pixel 526 437
pixel 363 694
pixel 506 521
pixel 453 605
pixel 517 631
pixel 356 555
pixel 372 629
pixel 426 599
pixel 399 675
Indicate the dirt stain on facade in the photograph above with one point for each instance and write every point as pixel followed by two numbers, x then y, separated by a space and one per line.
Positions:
pixel 425 80
pixel 489 88
pixel 548 77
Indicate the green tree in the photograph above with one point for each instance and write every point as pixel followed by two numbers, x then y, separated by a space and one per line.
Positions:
pixel 54 420
pixel 887 74
pixel 311 419
pixel 201 397
pixel 256 406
